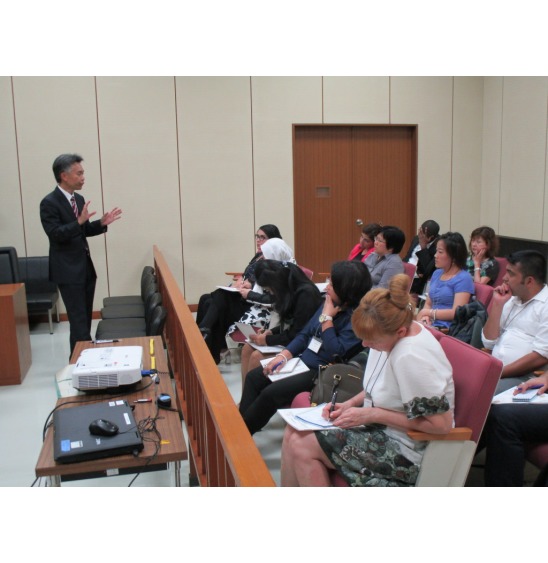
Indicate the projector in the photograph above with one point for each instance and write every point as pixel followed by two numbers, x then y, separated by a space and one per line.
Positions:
pixel 107 368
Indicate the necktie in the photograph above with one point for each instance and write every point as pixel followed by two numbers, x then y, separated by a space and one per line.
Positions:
pixel 74 208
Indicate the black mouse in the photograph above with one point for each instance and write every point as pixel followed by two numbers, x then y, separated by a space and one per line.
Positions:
pixel 101 427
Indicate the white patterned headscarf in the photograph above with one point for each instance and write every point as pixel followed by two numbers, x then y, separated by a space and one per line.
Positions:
pixel 277 249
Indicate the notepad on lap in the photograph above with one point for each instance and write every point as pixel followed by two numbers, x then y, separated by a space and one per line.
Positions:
pixel 306 418
pixel 292 367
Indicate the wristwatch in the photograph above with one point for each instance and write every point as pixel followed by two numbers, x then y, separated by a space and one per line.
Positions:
pixel 324 318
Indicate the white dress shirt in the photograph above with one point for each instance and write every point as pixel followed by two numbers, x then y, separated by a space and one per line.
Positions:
pixel 523 329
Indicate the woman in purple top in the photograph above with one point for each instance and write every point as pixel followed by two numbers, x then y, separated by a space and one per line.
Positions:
pixel 451 285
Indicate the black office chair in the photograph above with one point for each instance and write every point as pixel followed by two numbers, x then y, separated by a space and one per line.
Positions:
pixel 9 265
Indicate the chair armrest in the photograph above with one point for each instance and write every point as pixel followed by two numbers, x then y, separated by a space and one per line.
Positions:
pixel 460 433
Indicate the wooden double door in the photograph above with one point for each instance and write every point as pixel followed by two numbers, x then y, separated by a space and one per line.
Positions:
pixel 343 174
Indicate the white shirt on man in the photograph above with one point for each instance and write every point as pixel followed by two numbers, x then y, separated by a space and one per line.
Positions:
pixel 523 329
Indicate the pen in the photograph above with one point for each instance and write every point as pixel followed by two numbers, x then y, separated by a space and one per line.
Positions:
pixel 104 341
pixel 151 347
pixel 333 401
pixel 143 401
pixel 276 366
pixel 520 389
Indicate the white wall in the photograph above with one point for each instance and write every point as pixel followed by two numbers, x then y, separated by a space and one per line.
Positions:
pixel 198 163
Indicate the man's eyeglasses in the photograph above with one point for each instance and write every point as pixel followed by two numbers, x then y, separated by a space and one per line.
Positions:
pixel 380 240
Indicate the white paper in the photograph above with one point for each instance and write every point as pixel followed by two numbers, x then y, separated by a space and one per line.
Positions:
pixel 296 418
pixel 506 397
pixel 246 330
pixel 228 288
pixel 292 367
pixel 266 349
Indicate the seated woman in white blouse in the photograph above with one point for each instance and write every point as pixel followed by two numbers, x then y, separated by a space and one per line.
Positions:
pixel 385 262
pixel 408 385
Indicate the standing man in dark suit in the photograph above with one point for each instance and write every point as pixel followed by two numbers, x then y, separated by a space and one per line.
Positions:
pixel 65 217
pixel 421 253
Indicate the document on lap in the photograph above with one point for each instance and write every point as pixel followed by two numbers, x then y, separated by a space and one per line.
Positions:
pixel 509 397
pixel 292 367
pixel 229 288
pixel 247 330
pixel 306 419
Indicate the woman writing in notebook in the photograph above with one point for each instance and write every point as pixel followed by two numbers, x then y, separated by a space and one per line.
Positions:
pixel 326 338
pixel 369 446
pixel 295 298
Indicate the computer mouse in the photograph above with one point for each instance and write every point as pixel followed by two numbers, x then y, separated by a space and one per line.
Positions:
pixel 102 427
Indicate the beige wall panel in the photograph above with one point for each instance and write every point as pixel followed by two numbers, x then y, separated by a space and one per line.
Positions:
pixel 466 162
pixel 427 101
pixel 523 166
pixel 56 115
pixel 215 155
pixel 491 152
pixel 278 103
pixel 138 142
pixel 356 99
pixel 11 212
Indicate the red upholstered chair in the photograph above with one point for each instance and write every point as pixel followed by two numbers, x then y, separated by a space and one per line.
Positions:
pixel 484 293
pixel 502 270
pixel 309 273
pixel 409 270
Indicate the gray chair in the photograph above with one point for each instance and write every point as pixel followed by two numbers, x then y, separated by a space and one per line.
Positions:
pixel 109 329
pixel 134 310
pixel 146 275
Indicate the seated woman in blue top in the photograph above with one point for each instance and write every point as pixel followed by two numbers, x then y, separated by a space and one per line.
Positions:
pixel 385 262
pixel 451 285
pixel 327 338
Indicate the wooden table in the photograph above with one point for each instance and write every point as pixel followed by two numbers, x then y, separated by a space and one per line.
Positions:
pixel 173 447
pixel 15 352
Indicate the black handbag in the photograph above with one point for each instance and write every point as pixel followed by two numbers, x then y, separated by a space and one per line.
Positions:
pixel 346 379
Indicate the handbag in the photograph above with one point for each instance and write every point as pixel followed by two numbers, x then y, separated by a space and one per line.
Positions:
pixel 346 379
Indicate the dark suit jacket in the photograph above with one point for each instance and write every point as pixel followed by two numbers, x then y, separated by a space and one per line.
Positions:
pixel 425 265
pixel 68 247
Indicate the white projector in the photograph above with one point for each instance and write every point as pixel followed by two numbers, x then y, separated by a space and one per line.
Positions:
pixel 105 368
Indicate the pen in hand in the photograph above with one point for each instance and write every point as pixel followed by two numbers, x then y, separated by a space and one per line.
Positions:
pixel 333 401
pixel 275 367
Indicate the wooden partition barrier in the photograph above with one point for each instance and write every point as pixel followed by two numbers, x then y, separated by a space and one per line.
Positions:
pixel 222 452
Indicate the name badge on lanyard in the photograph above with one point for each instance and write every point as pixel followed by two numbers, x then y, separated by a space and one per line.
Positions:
pixel 315 344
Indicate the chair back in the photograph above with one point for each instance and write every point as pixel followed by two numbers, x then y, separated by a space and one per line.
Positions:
pixel 9 266
pixel 409 270
pixel 502 270
pixel 309 273
pixel 475 375
pixel 157 321
pixel 484 293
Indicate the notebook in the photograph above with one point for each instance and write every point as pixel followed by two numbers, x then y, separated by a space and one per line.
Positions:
pixel 72 440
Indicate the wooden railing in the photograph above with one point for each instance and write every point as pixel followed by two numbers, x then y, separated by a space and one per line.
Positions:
pixel 222 452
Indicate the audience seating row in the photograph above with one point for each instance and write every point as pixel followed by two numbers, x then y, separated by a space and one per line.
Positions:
pixel 133 315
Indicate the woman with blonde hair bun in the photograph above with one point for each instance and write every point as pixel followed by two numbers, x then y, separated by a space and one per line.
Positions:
pixel 408 385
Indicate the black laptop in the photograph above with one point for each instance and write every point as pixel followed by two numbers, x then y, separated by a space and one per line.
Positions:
pixel 72 440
